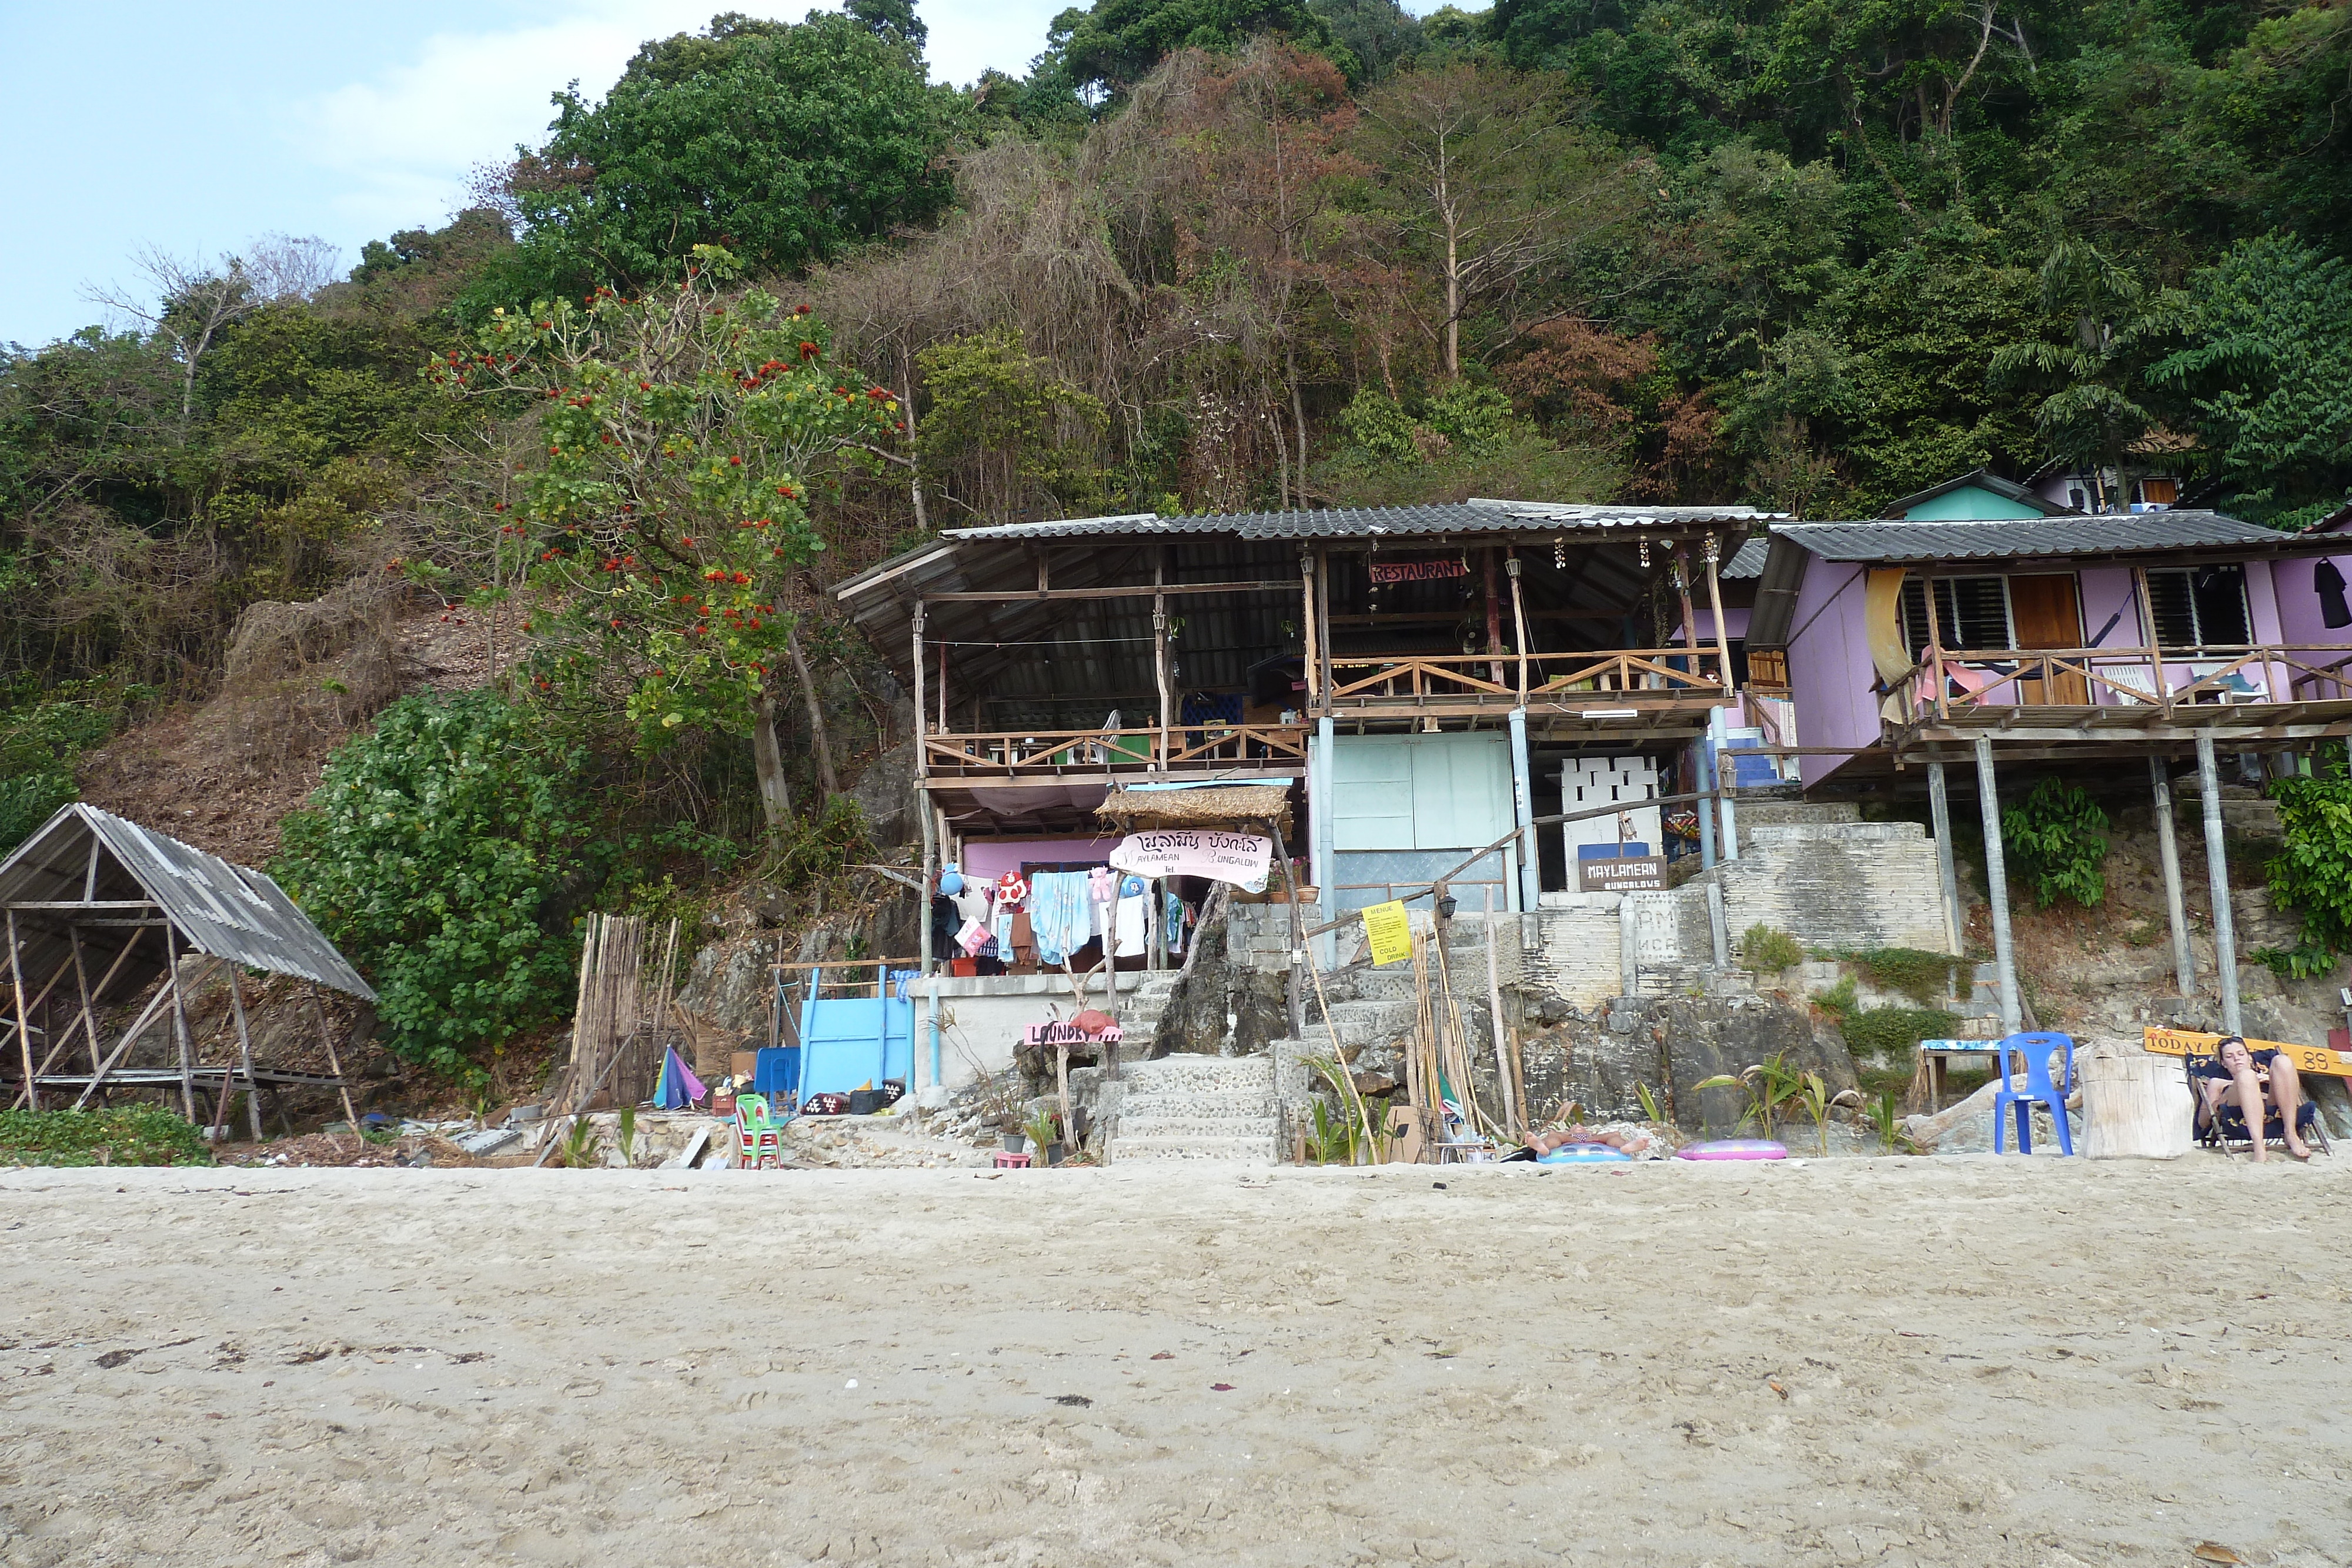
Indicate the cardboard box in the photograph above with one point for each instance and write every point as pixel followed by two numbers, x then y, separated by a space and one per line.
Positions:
pixel 743 1064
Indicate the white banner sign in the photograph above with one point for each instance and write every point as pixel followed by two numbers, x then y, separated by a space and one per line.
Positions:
pixel 1243 859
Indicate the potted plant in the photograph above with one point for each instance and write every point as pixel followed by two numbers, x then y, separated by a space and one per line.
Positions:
pixel 1015 1133
pixel 1046 1136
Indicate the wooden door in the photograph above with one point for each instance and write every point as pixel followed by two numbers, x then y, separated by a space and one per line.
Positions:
pixel 2044 612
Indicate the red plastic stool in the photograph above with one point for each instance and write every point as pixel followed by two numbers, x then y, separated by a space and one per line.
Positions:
pixel 1008 1161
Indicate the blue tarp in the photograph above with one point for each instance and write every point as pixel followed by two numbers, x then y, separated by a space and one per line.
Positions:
pixel 850 1042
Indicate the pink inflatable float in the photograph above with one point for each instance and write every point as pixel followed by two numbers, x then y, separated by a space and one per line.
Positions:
pixel 1735 1149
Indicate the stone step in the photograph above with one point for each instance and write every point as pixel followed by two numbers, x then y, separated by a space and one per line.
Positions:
pixel 1134 1129
pixel 1187 1073
pixel 1200 1151
pixel 1197 1103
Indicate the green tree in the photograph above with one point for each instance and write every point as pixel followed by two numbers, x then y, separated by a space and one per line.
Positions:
pixel 783 145
pixel 1102 52
pixel 437 852
pixel 2266 374
pixel 1004 435
pixel 685 430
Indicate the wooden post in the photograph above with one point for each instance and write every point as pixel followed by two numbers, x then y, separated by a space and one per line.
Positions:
pixel 1997 888
pixel 1518 623
pixel 2162 688
pixel 1295 996
pixel 1938 697
pixel 1493 615
pixel 2217 875
pixel 31 1096
pixel 1511 1125
pixel 179 1024
pixel 1939 812
pixel 1323 620
pixel 327 1038
pixel 1309 665
pixel 1690 616
pixel 1722 641
pixel 81 984
pixel 245 1049
pixel 1160 659
pixel 2168 853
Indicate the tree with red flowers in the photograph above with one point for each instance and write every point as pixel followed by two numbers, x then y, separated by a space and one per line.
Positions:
pixel 670 510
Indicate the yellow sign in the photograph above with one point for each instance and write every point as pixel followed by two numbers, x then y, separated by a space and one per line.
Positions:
pixel 2306 1058
pixel 1390 931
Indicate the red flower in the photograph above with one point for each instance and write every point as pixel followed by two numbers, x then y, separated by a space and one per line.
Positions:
pixel 737 461
pixel 808 351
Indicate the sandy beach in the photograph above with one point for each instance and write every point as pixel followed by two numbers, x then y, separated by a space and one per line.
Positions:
pixel 1952 1362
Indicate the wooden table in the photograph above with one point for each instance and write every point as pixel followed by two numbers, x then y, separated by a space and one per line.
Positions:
pixel 1934 1059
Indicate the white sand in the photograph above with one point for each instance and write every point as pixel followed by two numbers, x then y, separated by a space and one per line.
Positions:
pixel 2035 1363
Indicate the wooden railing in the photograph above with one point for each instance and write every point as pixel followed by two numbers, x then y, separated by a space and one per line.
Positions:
pixel 1448 680
pixel 1046 754
pixel 1955 681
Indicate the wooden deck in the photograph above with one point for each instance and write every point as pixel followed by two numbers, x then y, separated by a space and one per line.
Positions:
pixel 1076 756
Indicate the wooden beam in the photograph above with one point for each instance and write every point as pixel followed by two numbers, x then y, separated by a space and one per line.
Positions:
pixel 1029 596
pixel 76 905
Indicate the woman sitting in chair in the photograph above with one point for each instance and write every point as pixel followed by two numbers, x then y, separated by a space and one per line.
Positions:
pixel 2255 1079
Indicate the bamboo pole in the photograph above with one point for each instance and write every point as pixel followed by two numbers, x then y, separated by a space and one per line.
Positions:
pixel 1518 623
pixel 327 1037
pixel 180 1025
pixel 1511 1125
pixel 31 1096
pixel 81 984
pixel 1307 623
pixel 244 1051
pixel 98 1070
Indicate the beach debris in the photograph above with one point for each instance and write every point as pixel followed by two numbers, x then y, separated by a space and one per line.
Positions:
pixel 1220 1389
pixel 2213 1552
pixel 486 1140
pixel 1076 1399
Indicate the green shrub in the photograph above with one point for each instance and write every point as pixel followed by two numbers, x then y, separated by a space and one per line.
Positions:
pixel 2056 839
pixel 1892 1031
pixel 41 735
pixel 819 848
pixel 434 853
pixel 1839 1000
pixel 1767 950
pixel 1917 973
pixel 126 1135
pixel 2311 872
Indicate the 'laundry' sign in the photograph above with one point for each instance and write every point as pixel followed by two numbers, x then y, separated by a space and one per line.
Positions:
pixel 1242 859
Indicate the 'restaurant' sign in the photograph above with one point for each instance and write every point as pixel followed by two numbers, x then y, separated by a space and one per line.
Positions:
pixel 1418 570
pixel 1643 873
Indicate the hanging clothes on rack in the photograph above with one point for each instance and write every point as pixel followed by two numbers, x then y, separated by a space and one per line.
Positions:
pixel 1061 913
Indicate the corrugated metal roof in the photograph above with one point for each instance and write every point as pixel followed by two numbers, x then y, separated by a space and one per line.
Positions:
pixel 228 911
pixel 2075 535
pixel 1746 561
pixel 1478 516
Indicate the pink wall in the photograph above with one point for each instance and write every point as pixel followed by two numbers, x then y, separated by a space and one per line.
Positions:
pixel 1830 675
pixel 1734 625
pixel 991 858
pixel 2297 601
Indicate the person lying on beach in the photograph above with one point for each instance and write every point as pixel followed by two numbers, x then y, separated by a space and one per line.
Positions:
pixel 2255 1079
pixel 1545 1142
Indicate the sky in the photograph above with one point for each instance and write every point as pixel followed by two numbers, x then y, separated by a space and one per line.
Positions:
pixel 197 128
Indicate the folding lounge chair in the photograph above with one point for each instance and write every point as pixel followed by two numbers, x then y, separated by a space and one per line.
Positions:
pixel 2225 1129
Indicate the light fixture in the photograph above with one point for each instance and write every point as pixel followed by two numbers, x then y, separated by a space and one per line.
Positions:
pixel 1612 712
pixel 1447 905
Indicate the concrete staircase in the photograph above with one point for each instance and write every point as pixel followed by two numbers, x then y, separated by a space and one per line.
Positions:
pixel 1205 1108
pixel 1140 1011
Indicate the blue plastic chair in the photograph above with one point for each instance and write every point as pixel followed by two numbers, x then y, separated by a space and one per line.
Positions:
pixel 2036 1049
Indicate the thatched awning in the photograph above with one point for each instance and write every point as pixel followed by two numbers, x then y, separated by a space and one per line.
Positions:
pixel 1240 807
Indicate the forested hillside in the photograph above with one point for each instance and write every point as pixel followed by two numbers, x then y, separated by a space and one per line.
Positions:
pixel 773 305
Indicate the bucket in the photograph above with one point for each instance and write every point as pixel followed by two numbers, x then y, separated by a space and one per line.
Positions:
pixel 2136 1104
